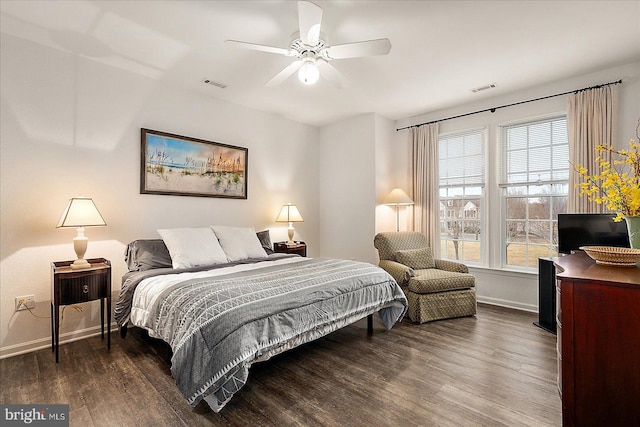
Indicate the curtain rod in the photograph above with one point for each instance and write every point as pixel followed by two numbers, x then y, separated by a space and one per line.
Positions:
pixel 493 109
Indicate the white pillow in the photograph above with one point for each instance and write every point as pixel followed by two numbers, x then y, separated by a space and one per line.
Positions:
pixel 192 247
pixel 239 242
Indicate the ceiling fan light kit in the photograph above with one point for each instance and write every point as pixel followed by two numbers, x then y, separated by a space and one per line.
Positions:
pixel 308 73
pixel 312 53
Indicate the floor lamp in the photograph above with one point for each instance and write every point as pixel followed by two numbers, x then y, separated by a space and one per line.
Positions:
pixel 398 198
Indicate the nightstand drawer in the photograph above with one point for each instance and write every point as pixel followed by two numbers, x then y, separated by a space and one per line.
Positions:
pixel 82 289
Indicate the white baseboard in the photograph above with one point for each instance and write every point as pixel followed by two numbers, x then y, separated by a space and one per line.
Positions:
pixel 27 347
pixel 509 304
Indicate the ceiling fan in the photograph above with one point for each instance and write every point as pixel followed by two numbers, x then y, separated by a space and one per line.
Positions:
pixel 312 54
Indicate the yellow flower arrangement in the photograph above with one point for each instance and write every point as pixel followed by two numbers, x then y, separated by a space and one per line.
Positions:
pixel 618 185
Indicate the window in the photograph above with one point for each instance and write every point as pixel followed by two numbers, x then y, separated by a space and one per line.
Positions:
pixel 535 175
pixel 461 169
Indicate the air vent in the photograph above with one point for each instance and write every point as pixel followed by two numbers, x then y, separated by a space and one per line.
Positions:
pixel 485 87
pixel 216 84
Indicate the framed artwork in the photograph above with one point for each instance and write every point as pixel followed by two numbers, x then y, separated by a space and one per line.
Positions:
pixel 183 166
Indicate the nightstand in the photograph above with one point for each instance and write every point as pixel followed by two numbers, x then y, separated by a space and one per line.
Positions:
pixel 300 248
pixel 77 286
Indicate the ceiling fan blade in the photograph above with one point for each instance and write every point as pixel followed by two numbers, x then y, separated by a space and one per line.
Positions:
pixel 260 47
pixel 310 18
pixel 359 49
pixel 331 74
pixel 284 74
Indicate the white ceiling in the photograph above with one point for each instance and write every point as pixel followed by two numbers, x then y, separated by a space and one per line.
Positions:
pixel 440 49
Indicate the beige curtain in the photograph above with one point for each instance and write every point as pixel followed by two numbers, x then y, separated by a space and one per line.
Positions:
pixel 592 120
pixel 425 183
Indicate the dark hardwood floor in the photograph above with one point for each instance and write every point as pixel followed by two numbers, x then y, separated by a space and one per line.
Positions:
pixel 496 369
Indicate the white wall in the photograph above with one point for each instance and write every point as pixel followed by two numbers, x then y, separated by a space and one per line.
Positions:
pixel 388 177
pixel 71 126
pixel 347 195
pixel 520 290
pixel 357 171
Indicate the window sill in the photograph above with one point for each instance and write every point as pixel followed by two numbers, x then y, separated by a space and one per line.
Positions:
pixel 504 271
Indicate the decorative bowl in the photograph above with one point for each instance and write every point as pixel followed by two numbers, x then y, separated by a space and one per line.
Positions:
pixel 611 255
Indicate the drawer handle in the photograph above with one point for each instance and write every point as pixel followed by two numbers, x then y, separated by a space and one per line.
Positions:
pixel 85 289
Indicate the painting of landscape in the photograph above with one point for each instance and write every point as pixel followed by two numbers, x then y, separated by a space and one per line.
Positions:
pixel 184 166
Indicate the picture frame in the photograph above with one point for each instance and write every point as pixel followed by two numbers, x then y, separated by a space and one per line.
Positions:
pixel 183 166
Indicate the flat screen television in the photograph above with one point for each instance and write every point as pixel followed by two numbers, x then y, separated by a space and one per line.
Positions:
pixel 575 230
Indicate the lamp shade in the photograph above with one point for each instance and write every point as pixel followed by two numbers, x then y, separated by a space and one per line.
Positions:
pixel 397 197
pixel 289 213
pixel 81 212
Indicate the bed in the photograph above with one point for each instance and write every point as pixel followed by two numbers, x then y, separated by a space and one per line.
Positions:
pixel 247 306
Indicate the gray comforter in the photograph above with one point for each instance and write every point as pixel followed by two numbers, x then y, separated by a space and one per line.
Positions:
pixel 218 326
pixel 131 279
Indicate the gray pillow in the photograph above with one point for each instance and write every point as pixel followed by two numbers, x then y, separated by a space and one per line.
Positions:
pixel 144 255
pixel 265 241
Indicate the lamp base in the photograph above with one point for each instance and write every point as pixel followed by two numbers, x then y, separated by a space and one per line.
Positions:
pixel 80 264
pixel 80 243
pixel 290 233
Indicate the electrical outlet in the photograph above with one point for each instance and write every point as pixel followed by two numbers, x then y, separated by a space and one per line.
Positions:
pixel 25 302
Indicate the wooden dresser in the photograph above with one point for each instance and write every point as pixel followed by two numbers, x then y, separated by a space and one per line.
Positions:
pixel 598 316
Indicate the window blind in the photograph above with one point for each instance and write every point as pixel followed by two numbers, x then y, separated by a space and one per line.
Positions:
pixel 461 158
pixel 535 153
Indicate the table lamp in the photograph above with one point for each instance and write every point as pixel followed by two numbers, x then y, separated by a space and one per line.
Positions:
pixel 397 198
pixel 289 213
pixel 80 212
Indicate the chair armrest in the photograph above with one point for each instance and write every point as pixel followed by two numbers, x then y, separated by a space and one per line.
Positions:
pixel 456 267
pixel 400 272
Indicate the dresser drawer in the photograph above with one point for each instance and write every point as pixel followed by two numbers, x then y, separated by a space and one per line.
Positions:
pixel 558 304
pixel 82 289
pixel 560 376
pixel 559 335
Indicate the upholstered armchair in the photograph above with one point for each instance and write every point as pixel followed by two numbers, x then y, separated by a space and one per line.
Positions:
pixel 436 289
